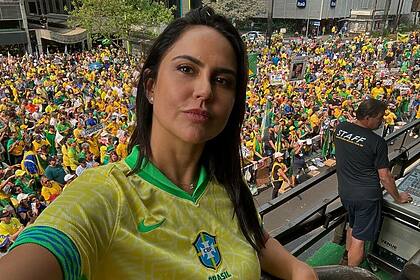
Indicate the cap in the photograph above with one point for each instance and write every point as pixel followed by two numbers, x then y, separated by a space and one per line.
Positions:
pixel 68 177
pixel 21 197
pixel 278 154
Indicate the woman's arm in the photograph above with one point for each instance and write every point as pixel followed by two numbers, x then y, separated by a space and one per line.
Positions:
pixel 278 262
pixel 281 174
pixel 36 261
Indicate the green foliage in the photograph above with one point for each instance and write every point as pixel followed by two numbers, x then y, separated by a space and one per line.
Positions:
pixel 237 10
pixel 116 18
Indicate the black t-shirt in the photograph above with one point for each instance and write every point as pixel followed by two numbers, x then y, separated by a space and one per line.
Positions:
pixel 360 153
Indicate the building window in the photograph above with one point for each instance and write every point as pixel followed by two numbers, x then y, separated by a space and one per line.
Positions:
pixel 32 8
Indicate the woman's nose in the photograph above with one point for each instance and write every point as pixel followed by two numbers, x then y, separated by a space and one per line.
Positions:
pixel 203 88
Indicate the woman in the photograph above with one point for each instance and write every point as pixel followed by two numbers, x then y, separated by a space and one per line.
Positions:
pixel 165 212
pixel 278 174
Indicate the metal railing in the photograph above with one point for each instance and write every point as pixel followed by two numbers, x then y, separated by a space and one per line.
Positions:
pixel 319 217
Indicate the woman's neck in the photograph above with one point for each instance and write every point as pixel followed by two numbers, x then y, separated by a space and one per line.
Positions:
pixel 178 160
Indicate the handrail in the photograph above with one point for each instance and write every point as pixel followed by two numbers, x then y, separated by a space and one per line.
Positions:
pixel 318 216
pixel 402 130
pixel 278 201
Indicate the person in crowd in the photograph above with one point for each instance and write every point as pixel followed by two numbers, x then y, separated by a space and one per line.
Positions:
pixel 50 189
pixel 184 161
pixel 362 166
pixel 280 180
pixel 55 171
pixel 9 225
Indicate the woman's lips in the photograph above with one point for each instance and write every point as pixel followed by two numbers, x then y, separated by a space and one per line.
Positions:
pixel 197 115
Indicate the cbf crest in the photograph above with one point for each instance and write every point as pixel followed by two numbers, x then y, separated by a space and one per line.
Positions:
pixel 208 250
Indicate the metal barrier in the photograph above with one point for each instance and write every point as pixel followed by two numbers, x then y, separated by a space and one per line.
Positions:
pixel 317 217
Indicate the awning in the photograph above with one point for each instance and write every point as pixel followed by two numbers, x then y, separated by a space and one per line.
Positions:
pixel 63 36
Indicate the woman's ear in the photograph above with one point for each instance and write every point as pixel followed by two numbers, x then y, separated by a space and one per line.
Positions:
pixel 149 85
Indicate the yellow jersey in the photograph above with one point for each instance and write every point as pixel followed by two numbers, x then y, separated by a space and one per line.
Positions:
pixel 10 228
pixel 142 226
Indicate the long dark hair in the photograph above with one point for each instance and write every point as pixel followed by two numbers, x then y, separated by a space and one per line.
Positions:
pixel 221 155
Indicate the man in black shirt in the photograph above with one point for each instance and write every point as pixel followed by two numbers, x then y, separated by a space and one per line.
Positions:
pixel 362 164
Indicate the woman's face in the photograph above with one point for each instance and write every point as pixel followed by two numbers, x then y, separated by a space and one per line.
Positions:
pixel 194 91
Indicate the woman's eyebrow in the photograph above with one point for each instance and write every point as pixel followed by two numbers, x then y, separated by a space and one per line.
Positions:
pixel 223 70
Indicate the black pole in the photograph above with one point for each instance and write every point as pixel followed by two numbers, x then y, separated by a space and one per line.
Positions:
pixel 396 18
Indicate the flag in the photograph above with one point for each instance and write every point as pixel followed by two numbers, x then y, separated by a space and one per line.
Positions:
pixel 252 64
pixel 266 121
pixel 326 144
pixel 278 140
pixel 402 37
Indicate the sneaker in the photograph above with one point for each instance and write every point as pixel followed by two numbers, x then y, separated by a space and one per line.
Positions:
pixel 411 133
pixel 416 136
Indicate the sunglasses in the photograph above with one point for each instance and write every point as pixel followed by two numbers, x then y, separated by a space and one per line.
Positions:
pixel 6 215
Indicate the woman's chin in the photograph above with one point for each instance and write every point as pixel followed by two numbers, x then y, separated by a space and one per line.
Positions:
pixel 195 137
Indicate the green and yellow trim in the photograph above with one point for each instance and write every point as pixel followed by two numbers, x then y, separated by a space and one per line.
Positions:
pixel 154 176
pixel 59 244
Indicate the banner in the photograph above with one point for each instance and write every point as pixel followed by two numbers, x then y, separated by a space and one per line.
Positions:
pixel 276 79
pixel 92 130
pixel 252 64
pixel 301 3
pixel 297 69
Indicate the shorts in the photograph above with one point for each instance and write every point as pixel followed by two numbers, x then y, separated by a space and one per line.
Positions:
pixel 365 218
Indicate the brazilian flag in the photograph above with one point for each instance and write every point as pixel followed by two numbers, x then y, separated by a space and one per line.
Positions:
pixel 252 64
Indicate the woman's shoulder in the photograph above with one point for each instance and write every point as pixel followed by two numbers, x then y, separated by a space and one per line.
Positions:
pixel 105 174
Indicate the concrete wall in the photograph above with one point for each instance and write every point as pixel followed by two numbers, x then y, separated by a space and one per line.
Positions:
pixel 288 8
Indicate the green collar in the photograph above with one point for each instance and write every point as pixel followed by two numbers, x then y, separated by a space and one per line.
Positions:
pixel 154 176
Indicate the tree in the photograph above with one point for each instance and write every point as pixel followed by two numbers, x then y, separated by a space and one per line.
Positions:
pixel 116 18
pixel 237 10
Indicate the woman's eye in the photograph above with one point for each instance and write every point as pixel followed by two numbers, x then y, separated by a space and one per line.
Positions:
pixel 185 69
pixel 223 81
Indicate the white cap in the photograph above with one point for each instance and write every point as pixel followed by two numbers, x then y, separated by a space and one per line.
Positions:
pixel 278 154
pixel 68 177
pixel 21 197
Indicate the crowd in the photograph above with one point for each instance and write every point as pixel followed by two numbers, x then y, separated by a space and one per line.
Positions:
pixel 63 113
pixel 59 115
pixel 287 119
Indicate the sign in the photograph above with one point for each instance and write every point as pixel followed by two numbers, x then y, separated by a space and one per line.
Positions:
pixel 333 3
pixel 316 23
pixel 276 79
pixel 388 82
pixel 297 69
pixel 92 130
pixel 404 89
pixel 301 3
pixel 395 70
pixel 382 72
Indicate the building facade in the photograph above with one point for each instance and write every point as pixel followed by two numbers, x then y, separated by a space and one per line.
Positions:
pixel 14 31
pixel 329 9
pixel 47 21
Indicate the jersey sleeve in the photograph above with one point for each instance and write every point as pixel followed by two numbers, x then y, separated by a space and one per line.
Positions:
pixel 79 225
pixel 381 160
